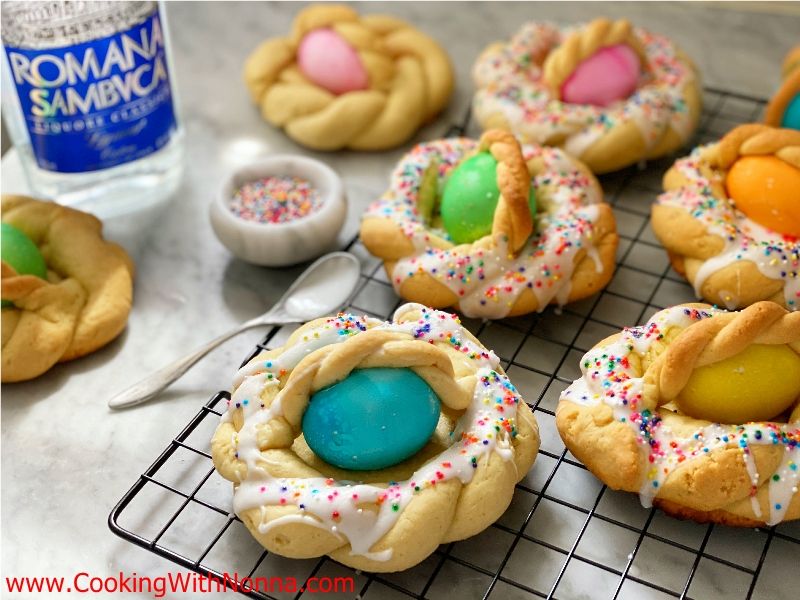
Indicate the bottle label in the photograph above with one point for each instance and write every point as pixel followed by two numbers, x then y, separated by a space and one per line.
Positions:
pixel 96 104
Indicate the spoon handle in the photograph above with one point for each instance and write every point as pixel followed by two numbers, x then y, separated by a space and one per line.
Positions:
pixel 152 385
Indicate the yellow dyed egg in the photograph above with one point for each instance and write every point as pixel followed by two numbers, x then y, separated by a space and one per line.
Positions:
pixel 758 384
pixel 767 190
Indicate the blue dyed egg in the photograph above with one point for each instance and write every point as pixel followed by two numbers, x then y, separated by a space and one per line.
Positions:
pixel 373 419
pixel 791 117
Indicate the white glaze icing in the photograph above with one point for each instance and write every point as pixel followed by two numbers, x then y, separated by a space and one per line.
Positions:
pixel 489 280
pixel 609 377
pixel 357 512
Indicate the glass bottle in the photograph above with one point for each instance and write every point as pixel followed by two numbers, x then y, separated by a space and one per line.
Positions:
pixel 89 102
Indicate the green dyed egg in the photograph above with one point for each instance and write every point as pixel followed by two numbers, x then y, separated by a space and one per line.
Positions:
pixel 470 199
pixel 21 253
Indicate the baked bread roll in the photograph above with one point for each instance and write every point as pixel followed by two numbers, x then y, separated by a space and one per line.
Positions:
pixel 80 304
pixel 339 80
pixel 609 94
pixel 698 411
pixel 497 258
pixel 730 220
pixel 456 484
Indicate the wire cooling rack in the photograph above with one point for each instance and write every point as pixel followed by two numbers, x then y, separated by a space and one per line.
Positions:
pixel 565 535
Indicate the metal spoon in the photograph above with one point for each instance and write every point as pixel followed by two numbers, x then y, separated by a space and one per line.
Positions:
pixel 321 288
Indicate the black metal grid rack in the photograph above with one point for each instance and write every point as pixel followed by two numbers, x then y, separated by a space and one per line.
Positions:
pixel 565 534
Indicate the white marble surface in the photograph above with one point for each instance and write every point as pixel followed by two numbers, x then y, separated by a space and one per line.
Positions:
pixel 65 458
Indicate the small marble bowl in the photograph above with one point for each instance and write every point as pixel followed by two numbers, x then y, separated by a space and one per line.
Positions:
pixel 281 244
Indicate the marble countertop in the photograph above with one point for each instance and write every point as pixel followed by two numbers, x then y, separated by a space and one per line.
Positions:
pixel 66 459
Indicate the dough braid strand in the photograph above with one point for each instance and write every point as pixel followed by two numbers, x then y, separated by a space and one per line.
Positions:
pixel 600 33
pixel 756 140
pixel 712 340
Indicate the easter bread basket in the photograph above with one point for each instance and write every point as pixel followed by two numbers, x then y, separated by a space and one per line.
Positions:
pixel 409 81
pixel 623 417
pixel 562 253
pixel 725 254
pixel 81 305
pixel 297 505
pixel 520 89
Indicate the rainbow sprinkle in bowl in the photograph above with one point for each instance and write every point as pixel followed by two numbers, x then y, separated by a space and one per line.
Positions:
pixel 279 211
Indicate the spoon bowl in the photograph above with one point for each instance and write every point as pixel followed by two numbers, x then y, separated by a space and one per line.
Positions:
pixel 320 291
pixel 322 288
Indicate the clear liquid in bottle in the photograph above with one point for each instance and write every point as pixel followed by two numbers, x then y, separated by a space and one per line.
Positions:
pixel 89 103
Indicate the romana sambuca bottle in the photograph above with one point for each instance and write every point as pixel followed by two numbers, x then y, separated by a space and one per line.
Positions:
pixel 89 102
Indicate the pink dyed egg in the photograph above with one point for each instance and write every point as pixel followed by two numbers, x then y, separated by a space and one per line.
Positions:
pixel 610 74
pixel 330 62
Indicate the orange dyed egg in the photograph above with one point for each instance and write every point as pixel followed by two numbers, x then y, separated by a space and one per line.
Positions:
pixel 767 190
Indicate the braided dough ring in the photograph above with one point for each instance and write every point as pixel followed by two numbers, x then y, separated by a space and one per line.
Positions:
pixel 569 256
pixel 296 505
pixel 519 90
pixel 410 80
pixel 84 303
pixel 614 419
pixel 788 91
pixel 725 255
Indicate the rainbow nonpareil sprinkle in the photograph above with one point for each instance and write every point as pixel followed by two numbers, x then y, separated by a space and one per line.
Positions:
pixel 275 200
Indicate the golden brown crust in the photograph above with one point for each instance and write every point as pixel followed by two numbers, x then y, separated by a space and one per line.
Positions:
pixel 410 81
pixel 755 139
pixel 604 445
pixel 82 306
pixel 722 517
pixel 512 217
